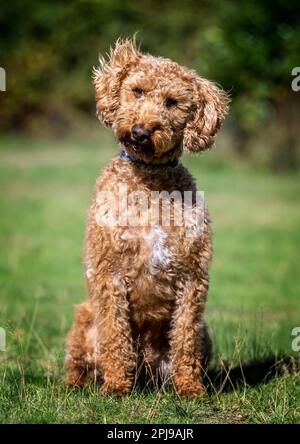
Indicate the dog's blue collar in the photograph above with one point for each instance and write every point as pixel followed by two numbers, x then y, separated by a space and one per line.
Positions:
pixel 125 156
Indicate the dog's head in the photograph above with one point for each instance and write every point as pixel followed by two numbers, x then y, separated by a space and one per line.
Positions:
pixel 155 106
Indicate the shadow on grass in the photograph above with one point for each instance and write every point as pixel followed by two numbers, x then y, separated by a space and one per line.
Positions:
pixel 260 371
pixel 227 377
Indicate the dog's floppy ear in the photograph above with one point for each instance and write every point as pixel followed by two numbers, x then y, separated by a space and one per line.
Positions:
pixel 209 111
pixel 108 78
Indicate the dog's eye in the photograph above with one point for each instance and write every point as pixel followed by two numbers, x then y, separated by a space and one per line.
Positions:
pixel 170 103
pixel 138 92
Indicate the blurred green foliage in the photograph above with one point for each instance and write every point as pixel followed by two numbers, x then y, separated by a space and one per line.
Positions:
pixel 48 49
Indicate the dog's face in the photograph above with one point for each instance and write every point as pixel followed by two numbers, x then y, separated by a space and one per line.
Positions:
pixel 155 106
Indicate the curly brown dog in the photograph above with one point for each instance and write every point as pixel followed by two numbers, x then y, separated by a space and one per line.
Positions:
pixel 147 284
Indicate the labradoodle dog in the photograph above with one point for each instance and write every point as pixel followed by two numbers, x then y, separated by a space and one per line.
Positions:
pixel 147 282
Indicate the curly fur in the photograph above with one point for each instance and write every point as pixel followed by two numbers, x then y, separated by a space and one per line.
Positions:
pixel 147 286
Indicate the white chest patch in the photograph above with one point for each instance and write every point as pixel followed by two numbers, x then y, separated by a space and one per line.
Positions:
pixel 160 255
pixel 88 265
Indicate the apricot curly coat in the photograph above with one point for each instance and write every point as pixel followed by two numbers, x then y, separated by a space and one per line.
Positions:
pixel 147 286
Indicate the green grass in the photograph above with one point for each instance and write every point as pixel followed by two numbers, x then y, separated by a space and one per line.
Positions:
pixel 45 190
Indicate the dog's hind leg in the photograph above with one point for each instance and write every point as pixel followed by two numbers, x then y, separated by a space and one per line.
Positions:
pixel 81 348
pixel 205 347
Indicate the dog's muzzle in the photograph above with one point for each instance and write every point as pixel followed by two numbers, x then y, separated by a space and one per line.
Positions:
pixel 141 134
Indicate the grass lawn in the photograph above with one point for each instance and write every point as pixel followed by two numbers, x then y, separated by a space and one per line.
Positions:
pixel 45 190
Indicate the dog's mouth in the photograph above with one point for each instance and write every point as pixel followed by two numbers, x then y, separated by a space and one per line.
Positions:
pixel 145 148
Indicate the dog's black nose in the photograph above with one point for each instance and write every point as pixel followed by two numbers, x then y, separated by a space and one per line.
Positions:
pixel 140 133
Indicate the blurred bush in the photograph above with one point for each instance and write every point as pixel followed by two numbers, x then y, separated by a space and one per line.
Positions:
pixel 48 49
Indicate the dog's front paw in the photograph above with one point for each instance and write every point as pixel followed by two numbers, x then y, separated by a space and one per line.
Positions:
pixel 76 378
pixel 116 388
pixel 189 389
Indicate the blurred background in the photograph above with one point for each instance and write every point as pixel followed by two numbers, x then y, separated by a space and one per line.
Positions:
pixel 52 148
pixel 48 50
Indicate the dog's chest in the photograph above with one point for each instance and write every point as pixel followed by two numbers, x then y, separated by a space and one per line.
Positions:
pixel 152 276
pixel 156 242
pixel 146 250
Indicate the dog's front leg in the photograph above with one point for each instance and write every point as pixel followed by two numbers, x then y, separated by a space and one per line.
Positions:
pixel 185 345
pixel 116 357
